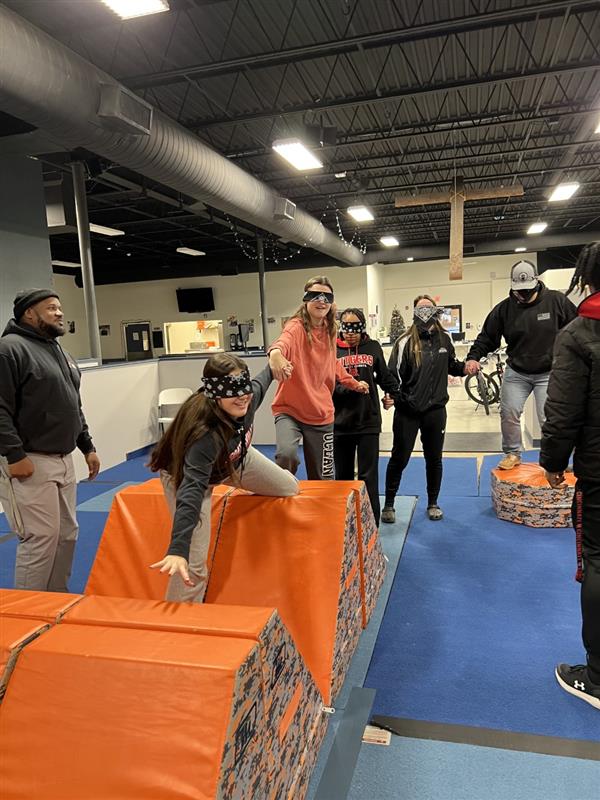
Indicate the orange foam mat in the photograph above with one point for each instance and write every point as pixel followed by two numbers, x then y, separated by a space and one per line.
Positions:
pixel 523 495
pixel 114 713
pixel 300 555
pixel 48 606
pixel 15 633
pixel 292 701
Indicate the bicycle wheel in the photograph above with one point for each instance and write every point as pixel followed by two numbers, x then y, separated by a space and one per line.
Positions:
pixel 495 381
pixel 481 389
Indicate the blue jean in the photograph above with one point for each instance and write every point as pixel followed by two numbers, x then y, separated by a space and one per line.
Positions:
pixel 516 388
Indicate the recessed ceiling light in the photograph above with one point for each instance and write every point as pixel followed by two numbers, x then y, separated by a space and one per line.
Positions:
pixel 340 175
pixel 537 227
pixel 57 263
pixel 520 249
pixel 389 241
pixel 106 231
pixel 128 254
pixel 360 213
pixel 188 251
pixel 563 191
pixel 127 9
pixel 296 154
pixel 410 258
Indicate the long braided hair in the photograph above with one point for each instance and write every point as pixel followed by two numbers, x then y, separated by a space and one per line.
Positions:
pixel 587 269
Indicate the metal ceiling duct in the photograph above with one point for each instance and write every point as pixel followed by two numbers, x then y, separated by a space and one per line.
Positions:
pixel 48 85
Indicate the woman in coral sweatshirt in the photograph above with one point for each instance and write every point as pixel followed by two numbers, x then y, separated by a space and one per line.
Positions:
pixel 303 405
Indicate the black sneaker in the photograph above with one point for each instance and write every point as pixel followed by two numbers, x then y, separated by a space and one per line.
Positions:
pixel 388 514
pixel 575 681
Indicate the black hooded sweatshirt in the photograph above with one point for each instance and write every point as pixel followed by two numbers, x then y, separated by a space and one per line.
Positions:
pixel 40 406
pixel 361 413
pixel 528 328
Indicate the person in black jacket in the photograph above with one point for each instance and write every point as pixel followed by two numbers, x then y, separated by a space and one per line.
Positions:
pixel 422 358
pixel 573 423
pixel 528 319
pixel 209 442
pixel 41 423
pixel 357 422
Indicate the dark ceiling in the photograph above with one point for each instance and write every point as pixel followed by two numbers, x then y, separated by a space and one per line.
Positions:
pixel 404 95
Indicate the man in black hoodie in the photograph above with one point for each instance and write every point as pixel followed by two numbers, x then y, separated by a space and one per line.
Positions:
pixel 41 423
pixel 573 423
pixel 528 319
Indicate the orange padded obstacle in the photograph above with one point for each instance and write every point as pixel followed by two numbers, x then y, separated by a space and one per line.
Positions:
pixel 523 495
pixel 15 633
pixel 114 713
pixel 295 722
pixel 48 606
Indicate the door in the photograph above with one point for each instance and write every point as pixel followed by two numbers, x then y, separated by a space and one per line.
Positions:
pixel 137 338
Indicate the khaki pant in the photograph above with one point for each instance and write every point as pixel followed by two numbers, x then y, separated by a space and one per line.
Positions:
pixel 46 502
pixel 260 476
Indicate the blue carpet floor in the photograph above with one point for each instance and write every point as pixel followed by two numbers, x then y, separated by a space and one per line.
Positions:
pixel 480 612
pixel 459 480
pixel 414 769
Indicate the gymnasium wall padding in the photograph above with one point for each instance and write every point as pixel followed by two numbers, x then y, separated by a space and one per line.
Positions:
pixel 135 715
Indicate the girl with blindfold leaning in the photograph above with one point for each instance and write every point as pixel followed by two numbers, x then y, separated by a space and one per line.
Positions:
pixel 422 358
pixel 303 405
pixel 358 419
pixel 209 442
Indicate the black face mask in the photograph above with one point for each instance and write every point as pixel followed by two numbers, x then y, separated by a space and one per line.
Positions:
pixel 324 297
pixel 352 327
pixel 525 295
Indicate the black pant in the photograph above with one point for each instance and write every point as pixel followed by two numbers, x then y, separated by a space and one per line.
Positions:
pixel 432 425
pixel 367 444
pixel 586 517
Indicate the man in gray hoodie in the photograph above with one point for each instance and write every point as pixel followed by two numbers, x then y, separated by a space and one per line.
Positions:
pixel 41 423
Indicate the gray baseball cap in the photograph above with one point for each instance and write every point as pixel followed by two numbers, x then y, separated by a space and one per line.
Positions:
pixel 523 276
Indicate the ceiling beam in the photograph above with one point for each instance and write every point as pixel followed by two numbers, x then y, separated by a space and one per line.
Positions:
pixel 513 16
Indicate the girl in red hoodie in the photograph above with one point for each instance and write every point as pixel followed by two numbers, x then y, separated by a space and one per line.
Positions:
pixel 303 405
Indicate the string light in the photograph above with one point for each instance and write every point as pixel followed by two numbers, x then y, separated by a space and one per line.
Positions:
pixel 357 239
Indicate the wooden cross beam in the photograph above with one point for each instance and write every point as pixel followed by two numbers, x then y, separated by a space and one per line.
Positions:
pixel 457 197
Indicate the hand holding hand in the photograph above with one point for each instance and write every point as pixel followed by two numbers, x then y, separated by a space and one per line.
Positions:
pixel 555 478
pixel 387 401
pixel 173 565
pixel 472 367
pixel 93 463
pixel 21 469
pixel 280 366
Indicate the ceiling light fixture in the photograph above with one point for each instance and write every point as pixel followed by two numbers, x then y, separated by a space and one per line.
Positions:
pixel 127 9
pixel 57 263
pixel 360 213
pixel 105 231
pixel 410 258
pixel 520 249
pixel 340 175
pixel 564 191
pixel 189 251
pixel 389 241
pixel 537 227
pixel 296 154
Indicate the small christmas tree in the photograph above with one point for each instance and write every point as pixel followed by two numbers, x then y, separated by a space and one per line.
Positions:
pixel 397 326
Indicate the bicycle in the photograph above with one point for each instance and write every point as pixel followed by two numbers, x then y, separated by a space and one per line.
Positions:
pixel 484 387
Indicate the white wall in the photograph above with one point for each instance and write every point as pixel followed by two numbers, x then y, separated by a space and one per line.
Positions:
pixel 485 282
pixel 234 296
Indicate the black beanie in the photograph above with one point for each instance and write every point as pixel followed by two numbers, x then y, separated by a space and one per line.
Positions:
pixel 28 298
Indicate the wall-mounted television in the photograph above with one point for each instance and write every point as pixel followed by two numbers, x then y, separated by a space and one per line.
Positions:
pixel 192 301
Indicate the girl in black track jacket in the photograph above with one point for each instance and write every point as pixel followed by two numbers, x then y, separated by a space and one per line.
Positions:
pixel 422 359
pixel 357 422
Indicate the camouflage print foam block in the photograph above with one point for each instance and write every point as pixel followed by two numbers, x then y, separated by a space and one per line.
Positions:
pixel 309 759
pixel 292 703
pixel 245 761
pixel 372 555
pixel 534 506
pixel 349 627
